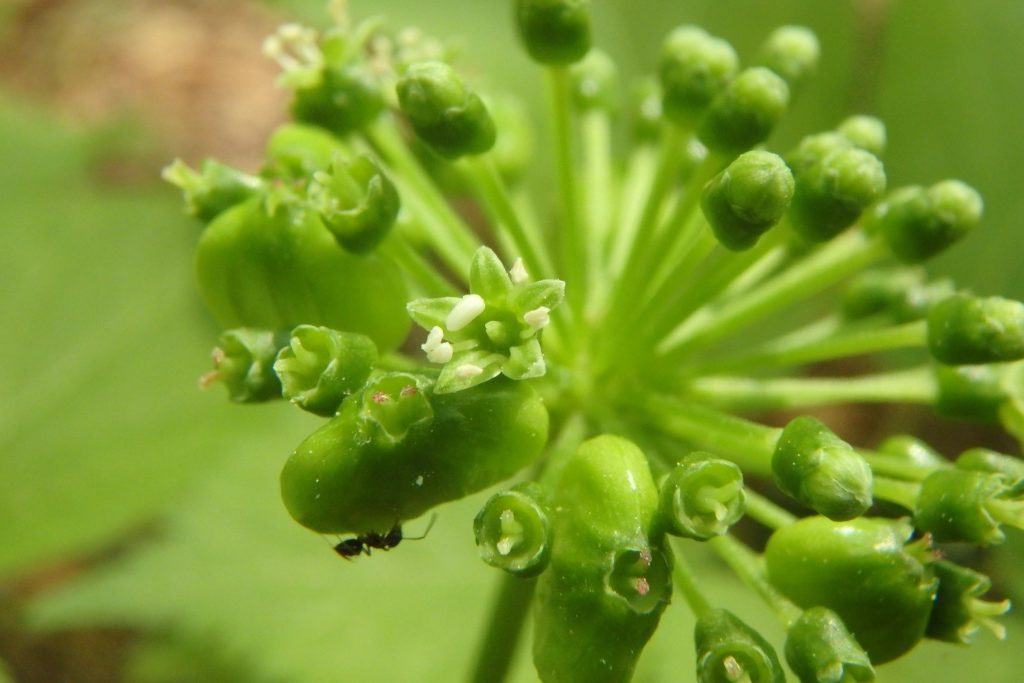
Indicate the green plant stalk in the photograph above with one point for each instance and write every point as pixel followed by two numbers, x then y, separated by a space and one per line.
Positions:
pixel 748 567
pixel 766 512
pixel 894 466
pixel 638 180
pixel 903 493
pixel 504 628
pixel 599 190
pixel 684 579
pixel 420 271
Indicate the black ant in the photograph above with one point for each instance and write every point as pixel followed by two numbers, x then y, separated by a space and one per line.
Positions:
pixel 361 545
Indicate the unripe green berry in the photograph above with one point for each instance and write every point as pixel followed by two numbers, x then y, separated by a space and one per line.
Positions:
pixel 817 468
pixel 444 112
pixel 702 496
pixel 966 330
pixel 919 223
pixel 746 199
pixel 967 505
pixel 729 650
pixel 513 531
pixel 745 113
pixel 831 194
pixel 959 613
pixel 693 69
pixel 866 132
pixel 913 450
pixel 554 31
pixel 792 52
pixel 820 649
pixel 320 367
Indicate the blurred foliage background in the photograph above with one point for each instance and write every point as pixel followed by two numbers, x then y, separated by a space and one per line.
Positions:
pixel 141 534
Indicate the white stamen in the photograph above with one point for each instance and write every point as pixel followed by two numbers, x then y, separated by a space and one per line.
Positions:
pixel 518 272
pixel 465 312
pixel 538 317
pixel 505 545
pixel 468 371
pixel 438 350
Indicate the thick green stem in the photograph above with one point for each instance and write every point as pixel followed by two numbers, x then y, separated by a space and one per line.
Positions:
pixel 508 614
pixel 895 466
pixel 903 493
pixel 748 567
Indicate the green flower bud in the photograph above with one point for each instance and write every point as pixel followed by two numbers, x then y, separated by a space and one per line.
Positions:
pixel 396 449
pixel 243 360
pixel 728 650
pixel 356 201
pixel 215 188
pixel 345 98
pixel 702 497
pixel 647 111
pixel 813 148
pixel 969 392
pixel 902 294
pixel 320 367
pixel 693 69
pixel 919 223
pixel 490 331
pixel 819 649
pixel 984 460
pixel 966 330
pixel 819 469
pixel 746 199
pixel 595 82
pixel 970 506
pixel 554 31
pixel 295 151
pixel 865 571
pixel 865 132
pixel 273 265
pixel 831 194
pixel 745 113
pixel 610 574
pixel 513 531
pixel 913 450
pixel 513 148
pixel 444 112
pixel 792 52
pixel 958 614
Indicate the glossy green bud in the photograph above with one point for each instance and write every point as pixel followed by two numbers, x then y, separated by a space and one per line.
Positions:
pixel 444 112
pixel 745 113
pixel 554 31
pixel 919 223
pixel 814 148
pixel 356 201
pixel 985 460
pixel 959 613
pixel 345 98
pixel 969 392
pixel 610 574
pixel 244 361
pixel 792 52
pixel 901 294
pixel 865 132
pixel 819 649
pixel 817 468
pixel 693 69
pixel 746 199
pixel 513 531
pixel 913 450
pixel 865 571
pixel 831 194
pixel 396 449
pixel 702 497
pixel 273 264
pixel 970 506
pixel 296 151
pixel 728 650
pixel 967 330
pixel 595 82
pixel 514 146
pixel 213 189
pixel 320 367
pixel 647 111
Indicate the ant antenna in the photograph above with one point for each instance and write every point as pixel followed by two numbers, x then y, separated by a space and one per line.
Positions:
pixel 430 525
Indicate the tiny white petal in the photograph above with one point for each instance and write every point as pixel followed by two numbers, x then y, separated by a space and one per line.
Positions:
pixel 518 272
pixel 468 371
pixel 464 312
pixel 434 339
pixel 538 317
pixel 442 353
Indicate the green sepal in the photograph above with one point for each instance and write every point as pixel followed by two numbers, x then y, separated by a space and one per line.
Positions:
pixel 745 113
pixel 213 189
pixel 820 649
pixel 966 330
pixel 320 367
pixel 865 570
pixel 969 506
pixel 610 574
pixel 243 361
pixel 296 151
pixel 694 67
pixel 449 117
pixel 792 52
pixel 959 614
pixel 970 392
pixel 488 278
pixel 865 132
pixel 831 194
pixel 985 460
pixel 344 98
pixel 533 295
pixel 554 31
pixel 918 223
pixel 356 201
pixel 747 198
pixel 430 313
pixel 701 497
pixel 396 449
pixel 513 530
pixel 913 450
pixel 525 361
pixel 729 650
pixel 468 369
pixel 814 466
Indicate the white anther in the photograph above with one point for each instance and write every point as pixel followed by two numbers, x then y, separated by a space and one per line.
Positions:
pixel 518 272
pixel 438 350
pixel 294 47
pixel 538 317
pixel 465 312
pixel 468 371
